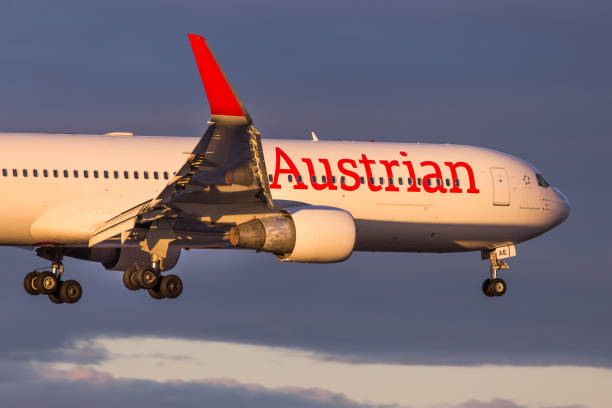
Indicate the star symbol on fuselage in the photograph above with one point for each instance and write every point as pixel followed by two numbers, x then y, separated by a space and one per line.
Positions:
pixel 527 180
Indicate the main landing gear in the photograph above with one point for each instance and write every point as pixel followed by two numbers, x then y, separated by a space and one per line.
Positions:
pixel 495 286
pixel 150 279
pixel 50 283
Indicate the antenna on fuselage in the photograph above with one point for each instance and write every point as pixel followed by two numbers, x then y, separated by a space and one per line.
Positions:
pixel 314 136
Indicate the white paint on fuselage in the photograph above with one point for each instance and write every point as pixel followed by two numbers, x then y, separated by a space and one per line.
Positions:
pixel 67 210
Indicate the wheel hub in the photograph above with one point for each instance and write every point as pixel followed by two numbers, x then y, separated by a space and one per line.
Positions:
pixel 71 292
pixel 48 283
pixel 149 277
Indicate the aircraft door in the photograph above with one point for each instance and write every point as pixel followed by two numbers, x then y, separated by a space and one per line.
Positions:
pixel 501 187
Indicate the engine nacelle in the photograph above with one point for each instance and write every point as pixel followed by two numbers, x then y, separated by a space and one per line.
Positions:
pixel 301 234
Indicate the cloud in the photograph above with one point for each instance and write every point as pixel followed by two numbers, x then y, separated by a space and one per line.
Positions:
pixel 500 403
pixel 38 384
pixel 70 388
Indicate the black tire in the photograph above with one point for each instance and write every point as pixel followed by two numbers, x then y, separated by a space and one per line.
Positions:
pixel 129 279
pixel 171 286
pixel 70 291
pixel 55 299
pixel 155 293
pixel 146 278
pixel 47 283
pixel 498 287
pixel 485 287
pixel 30 283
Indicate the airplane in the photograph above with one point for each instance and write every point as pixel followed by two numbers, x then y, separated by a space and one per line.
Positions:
pixel 131 203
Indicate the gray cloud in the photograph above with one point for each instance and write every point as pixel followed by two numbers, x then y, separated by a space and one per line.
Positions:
pixel 30 386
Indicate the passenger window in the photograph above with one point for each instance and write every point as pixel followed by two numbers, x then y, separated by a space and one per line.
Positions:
pixel 105 174
pixel 76 174
pixel 299 178
pixel 390 181
pixel 155 175
pixel 166 175
pixel 382 181
pixel 362 179
pixel 25 173
pixel 400 181
pixel 333 179
pixel 438 182
pixel 55 173
pixel 428 181
pixel 447 183
pixel 14 172
pixel 136 175
pixel 95 172
pixel 290 178
pixel 65 173
pixel 86 173
pixel 457 182
pixel 419 181
pixel 324 179
pixel 126 175
pixel 342 180
pixel 45 173
pixel 372 180
pixel 35 173
pixel 314 179
pixel 409 181
pixel 4 172
pixel 115 174
pixel 145 174
pixel 270 178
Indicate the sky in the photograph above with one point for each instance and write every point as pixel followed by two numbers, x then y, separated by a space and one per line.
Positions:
pixel 379 330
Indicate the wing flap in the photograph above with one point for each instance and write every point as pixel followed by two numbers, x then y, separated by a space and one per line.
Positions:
pixel 117 225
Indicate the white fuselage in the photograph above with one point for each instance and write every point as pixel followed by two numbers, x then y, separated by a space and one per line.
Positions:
pixel 51 195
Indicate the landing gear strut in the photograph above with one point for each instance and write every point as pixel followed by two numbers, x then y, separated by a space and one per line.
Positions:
pixel 495 286
pixel 50 283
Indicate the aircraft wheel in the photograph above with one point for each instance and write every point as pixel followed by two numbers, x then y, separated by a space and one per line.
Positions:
pixel 155 293
pixel 47 283
pixel 129 279
pixel 55 299
pixel 30 283
pixel 70 291
pixel 146 278
pixel 171 286
pixel 498 287
pixel 485 287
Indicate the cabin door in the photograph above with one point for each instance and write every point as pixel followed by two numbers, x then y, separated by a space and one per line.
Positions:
pixel 501 188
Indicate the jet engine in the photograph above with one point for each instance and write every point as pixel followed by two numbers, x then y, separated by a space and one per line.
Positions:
pixel 302 234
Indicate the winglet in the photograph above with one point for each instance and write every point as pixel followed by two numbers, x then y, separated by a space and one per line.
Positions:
pixel 225 105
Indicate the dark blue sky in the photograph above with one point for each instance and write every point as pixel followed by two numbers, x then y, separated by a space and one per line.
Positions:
pixel 533 80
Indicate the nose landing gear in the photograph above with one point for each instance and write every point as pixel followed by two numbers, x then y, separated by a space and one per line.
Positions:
pixel 50 283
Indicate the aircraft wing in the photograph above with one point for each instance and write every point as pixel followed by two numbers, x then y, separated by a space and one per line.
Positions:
pixel 224 174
